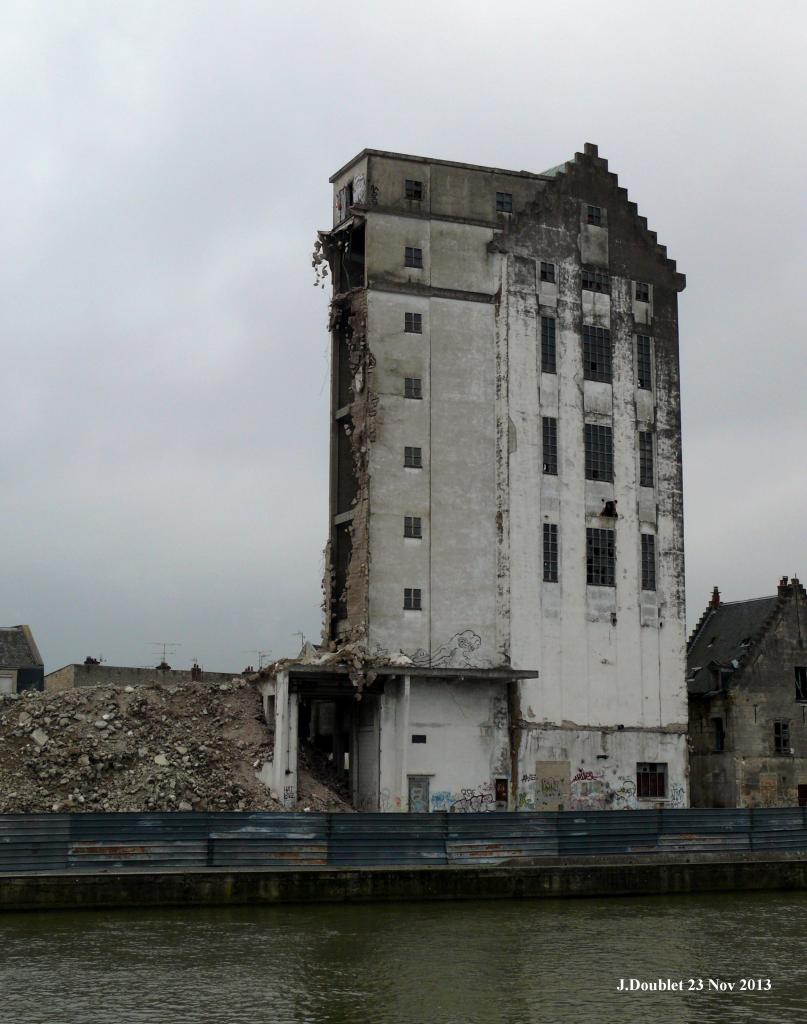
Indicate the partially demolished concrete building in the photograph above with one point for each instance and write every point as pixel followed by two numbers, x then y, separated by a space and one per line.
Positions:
pixel 504 585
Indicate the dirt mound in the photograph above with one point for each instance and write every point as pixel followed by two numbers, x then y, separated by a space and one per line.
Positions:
pixel 156 747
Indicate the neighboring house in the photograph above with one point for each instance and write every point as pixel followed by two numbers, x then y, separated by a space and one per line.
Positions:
pixel 94 673
pixel 506 495
pixel 747 681
pixel 21 666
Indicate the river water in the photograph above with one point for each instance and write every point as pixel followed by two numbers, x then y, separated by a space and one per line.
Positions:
pixel 413 963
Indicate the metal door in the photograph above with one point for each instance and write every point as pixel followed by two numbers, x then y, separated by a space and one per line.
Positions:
pixel 419 793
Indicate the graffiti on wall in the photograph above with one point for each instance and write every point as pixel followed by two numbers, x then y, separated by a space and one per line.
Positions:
pixel 478 798
pixel 458 652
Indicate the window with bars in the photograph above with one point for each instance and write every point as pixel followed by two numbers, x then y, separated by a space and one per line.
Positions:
pixel 651 780
pixel 642 291
pixel 599 445
pixel 648 561
pixel 413 323
pixel 600 557
pixel 548 272
pixel 412 599
pixel 781 736
pixel 413 387
pixel 413 458
pixel 596 353
pixel 645 458
pixel 594 215
pixel 413 189
pixel 551 552
pixel 413 527
pixel 644 362
pixel 550 445
pixel 595 280
pixel 548 349
pixel 504 202
pixel 413 257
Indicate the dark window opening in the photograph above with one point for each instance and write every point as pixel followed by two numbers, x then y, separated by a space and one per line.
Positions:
pixel 599 446
pixel 644 362
pixel 600 557
pixel 651 780
pixel 341 561
pixel 504 202
pixel 413 189
pixel 349 259
pixel 548 272
pixel 642 291
pixel 594 215
pixel 648 561
pixel 413 458
pixel 413 323
pixel 413 527
pixel 551 552
pixel 645 458
pixel 412 599
pixel 596 353
pixel 595 280
pixel 801 682
pixel 781 737
pixel 550 445
pixel 719 734
pixel 418 738
pixel 413 387
pixel 346 488
pixel 413 257
pixel 548 346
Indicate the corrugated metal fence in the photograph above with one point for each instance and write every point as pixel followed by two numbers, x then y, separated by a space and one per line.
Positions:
pixel 102 842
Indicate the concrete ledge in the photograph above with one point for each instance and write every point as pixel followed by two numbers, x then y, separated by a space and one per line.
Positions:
pixel 577 877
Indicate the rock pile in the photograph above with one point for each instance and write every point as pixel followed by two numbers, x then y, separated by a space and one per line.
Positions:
pixel 157 747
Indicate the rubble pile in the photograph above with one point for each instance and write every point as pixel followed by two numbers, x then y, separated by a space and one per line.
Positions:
pixel 155 747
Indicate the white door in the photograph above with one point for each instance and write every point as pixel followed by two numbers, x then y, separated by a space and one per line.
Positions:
pixel 6 684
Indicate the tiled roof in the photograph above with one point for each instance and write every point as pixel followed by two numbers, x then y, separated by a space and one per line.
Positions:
pixel 17 649
pixel 725 634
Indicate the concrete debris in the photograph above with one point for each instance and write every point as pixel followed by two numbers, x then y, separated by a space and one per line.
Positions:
pixel 153 748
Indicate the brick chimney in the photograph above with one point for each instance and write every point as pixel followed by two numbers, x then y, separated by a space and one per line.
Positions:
pixel 715 602
pixel 783 586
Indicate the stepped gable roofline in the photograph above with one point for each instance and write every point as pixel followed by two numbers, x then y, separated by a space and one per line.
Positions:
pixel 729 632
pixel 18 648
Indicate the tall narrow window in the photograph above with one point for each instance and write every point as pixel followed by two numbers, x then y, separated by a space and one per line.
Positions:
pixel 645 458
pixel 600 558
pixel 594 215
pixel 550 445
pixel 648 561
pixel 651 780
pixel 801 682
pixel 413 257
pixel 413 323
pixel 504 202
pixel 551 552
pixel 548 272
pixel 411 599
pixel 781 737
pixel 413 458
pixel 644 362
pixel 548 350
pixel 413 387
pixel 595 280
pixel 413 527
pixel 599 445
pixel 720 734
pixel 642 291
pixel 413 189
pixel 596 353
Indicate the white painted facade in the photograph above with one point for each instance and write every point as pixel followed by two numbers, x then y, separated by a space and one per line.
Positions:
pixel 610 695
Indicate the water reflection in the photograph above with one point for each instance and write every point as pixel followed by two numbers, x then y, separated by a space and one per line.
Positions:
pixel 435 963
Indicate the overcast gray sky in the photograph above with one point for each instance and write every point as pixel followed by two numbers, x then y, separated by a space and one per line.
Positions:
pixel 163 399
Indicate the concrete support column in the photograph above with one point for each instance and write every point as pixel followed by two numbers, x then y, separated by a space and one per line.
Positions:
pixel 403 736
pixel 284 761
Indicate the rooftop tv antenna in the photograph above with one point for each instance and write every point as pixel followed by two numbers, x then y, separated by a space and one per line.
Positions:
pixel 262 656
pixel 165 644
pixel 302 638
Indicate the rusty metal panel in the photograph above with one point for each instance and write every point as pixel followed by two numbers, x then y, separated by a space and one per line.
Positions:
pixel 106 854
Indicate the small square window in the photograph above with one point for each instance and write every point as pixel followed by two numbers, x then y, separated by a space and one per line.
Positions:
pixel 781 737
pixel 550 552
pixel 548 272
pixel 413 323
pixel 413 387
pixel 644 362
pixel 801 682
pixel 548 348
pixel 413 189
pixel 413 527
pixel 413 458
pixel 504 202
pixel 642 291
pixel 651 780
pixel 412 599
pixel 594 215
pixel 596 280
pixel 413 257
pixel 550 445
